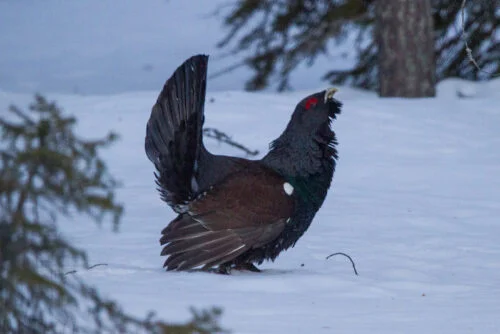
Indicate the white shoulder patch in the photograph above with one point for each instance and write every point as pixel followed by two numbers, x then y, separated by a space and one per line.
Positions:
pixel 288 188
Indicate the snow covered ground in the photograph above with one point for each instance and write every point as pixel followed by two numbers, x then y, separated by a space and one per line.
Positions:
pixel 415 202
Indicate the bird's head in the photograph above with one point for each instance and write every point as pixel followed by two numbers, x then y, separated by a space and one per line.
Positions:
pixel 311 121
pixel 315 112
pixel 308 135
pixel 306 150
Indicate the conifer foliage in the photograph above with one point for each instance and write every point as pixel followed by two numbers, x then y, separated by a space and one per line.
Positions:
pixel 276 36
pixel 48 174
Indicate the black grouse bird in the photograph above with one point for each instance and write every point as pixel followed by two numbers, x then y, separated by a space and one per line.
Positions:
pixel 234 212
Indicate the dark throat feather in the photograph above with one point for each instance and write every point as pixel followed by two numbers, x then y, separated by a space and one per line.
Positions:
pixel 308 164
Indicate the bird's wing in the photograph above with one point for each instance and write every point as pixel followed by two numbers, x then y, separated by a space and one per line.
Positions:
pixel 247 210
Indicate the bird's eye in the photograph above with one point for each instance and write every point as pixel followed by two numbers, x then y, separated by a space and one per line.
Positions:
pixel 311 103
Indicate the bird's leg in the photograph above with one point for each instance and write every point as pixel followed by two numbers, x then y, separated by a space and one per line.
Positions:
pixel 221 269
pixel 225 269
pixel 247 266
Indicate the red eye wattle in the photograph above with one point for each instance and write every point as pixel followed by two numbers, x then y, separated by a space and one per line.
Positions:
pixel 311 103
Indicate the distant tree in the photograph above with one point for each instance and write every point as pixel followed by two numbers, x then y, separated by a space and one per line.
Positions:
pixel 47 172
pixel 404 37
pixel 276 36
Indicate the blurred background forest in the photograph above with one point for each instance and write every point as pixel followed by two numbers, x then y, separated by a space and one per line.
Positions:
pixel 96 47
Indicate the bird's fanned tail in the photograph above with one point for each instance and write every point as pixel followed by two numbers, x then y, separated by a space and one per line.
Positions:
pixel 174 131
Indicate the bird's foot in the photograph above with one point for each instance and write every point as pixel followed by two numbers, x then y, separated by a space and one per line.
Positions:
pixel 221 270
pixel 225 269
pixel 247 266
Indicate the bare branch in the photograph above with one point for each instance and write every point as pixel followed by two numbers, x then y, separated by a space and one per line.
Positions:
pixel 227 69
pixel 468 50
pixel 224 138
pixel 347 256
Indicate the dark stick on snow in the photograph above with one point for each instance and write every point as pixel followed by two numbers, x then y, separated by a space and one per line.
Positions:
pixel 91 267
pixel 97 265
pixel 347 256
pixel 224 138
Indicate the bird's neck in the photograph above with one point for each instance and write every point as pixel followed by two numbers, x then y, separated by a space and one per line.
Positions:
pixel 308 165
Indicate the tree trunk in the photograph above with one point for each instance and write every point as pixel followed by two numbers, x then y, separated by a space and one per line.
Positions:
pixel 404 34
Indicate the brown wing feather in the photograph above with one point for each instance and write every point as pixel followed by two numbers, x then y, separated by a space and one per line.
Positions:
pixel 247 210
pixel 253 197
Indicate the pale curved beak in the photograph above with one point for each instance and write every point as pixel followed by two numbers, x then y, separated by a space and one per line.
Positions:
pixel 329 93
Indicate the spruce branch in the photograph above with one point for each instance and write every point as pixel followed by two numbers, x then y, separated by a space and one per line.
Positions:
pixel 47 172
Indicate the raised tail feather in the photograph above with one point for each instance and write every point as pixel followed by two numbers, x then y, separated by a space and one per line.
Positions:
pixel 174 131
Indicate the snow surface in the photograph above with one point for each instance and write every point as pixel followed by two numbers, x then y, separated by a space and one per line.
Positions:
pixel 415 202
